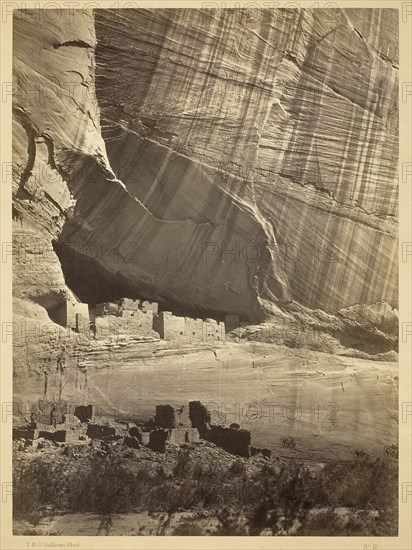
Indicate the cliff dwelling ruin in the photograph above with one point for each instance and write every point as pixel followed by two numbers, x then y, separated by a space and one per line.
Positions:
pixel 204 323
pixel 134 317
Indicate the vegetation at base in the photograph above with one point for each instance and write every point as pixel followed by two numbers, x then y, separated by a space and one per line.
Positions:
pixel 246 497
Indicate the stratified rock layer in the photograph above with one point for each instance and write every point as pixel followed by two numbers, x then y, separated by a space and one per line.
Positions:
pixel 222 160
pixel 278 129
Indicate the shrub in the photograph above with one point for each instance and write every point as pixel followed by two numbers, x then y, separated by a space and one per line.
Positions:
pixel 247 497
pixel 231 523
pixel 237 468
pixel 362 483
pixel 288 442
pixel 284 498
pixel 391 451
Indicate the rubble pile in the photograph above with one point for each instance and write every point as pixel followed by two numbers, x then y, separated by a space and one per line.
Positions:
pixel 172 426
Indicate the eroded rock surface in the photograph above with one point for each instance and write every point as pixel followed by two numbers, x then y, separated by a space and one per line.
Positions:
pixel 274 133
pixel 221 160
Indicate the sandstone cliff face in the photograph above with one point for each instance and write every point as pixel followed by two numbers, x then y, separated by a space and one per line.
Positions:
pixel 277 128
pixel 224 161
pixel 54 109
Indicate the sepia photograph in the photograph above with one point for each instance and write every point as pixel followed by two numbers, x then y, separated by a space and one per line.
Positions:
pixel 205 271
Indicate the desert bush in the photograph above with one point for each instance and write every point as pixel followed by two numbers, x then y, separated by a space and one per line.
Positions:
pixel 231 523
pixel 182 463
pixel 288 442
pixel 360 455
pixel 237 468
pixel 273 496
pixel 323 524
pixel 361 483
pixel 38 532
pixel 391 451
pixel 283 498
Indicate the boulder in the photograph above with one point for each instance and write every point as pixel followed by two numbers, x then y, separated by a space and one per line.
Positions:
pixel 43 444
pixel 136 432
pixel 71 420
pixel 132 442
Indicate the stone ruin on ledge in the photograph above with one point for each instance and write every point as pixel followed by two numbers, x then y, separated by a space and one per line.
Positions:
pixel 172 426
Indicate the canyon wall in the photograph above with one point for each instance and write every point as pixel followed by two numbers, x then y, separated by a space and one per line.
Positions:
pixel 280 127
pixel 216 160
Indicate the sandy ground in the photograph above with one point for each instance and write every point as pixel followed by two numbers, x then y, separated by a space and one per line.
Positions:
pixel 118 525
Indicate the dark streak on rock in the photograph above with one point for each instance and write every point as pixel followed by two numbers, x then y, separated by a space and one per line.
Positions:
pixel 73 43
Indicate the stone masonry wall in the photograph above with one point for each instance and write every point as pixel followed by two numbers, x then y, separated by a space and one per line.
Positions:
pixel 171 327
